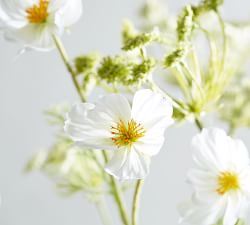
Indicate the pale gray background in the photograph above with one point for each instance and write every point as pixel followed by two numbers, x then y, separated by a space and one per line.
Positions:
pixel 36 81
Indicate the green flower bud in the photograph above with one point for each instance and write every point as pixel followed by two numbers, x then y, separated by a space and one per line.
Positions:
pixel 116 69
pixel 185 24
pixel 212 4
pixel 175 57
pixel 140 71
pixel 206 6
pixel 141 40
pixel 128 31
pixel 86 63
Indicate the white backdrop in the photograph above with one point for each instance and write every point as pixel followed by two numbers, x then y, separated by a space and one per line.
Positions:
pixel 36 81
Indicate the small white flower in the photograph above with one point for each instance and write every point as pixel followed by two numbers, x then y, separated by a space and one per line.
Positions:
pixel 221 179
pixel 33 22
pixel 134 133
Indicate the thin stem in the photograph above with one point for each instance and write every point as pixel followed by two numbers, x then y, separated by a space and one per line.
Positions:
pixel 199 124
pixel 223 30
pixel 196 64
pixel 191 75
pixel 103 211
pixel 136 201
pixel 117 195
pixel 174 101
pixel 66 61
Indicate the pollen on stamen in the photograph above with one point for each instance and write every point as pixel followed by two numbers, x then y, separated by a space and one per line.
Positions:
pixel 38 14
pixel 125 134
pixel 227 181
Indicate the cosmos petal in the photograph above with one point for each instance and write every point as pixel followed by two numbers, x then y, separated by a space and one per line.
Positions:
pixel 70 13
pixel 128 164
pixel 147 103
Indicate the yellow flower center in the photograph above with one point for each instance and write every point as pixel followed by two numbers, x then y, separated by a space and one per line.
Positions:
pixel 125 134
pixel 38 14
pixel 227 181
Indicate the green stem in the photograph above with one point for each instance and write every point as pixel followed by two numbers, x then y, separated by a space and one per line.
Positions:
pixel 223 30
pixel 117 195
pixel 136 201
pixel 66 61
pixel 199 124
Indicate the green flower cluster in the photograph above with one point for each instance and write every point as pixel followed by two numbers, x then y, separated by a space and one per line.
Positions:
pixel 73 169
pixel 124 70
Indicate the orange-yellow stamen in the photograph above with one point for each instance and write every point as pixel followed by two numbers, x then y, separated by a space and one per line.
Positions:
pixel 227 181
pixel 38 14
pixel 125 134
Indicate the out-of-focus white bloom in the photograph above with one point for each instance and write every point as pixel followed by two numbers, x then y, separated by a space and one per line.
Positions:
pixel 134 133
pixel 33 22
pixel 221 179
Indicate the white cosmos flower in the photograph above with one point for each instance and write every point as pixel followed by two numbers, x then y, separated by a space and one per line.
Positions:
pixel 221 180
pixel 33 22
pixel 133 133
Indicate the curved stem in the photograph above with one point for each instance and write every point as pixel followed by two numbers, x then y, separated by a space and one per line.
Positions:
pixel 136 201
pixel 66 61
pixel 117 195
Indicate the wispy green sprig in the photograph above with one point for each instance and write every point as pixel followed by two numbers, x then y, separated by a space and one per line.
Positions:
pixel 206 6
pixel 141 40
pixel 175 57
pixel 185 24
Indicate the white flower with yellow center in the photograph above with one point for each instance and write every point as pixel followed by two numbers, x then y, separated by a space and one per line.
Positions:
pixel 221 179
pixel 134 133
pixel 33 22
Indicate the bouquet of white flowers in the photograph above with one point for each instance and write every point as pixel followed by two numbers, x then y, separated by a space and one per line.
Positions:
pixel 171 69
